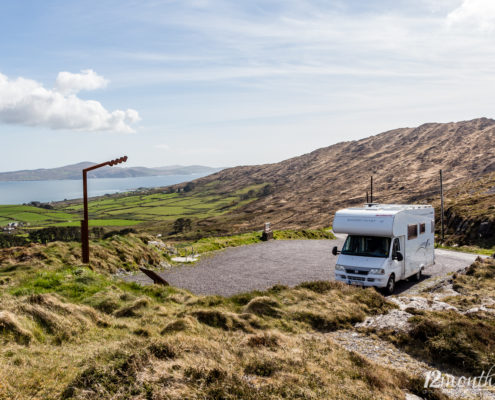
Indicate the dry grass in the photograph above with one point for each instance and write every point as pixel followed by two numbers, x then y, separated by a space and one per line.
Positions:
pixel 131 310
pixel 460 342
pixel 118 252
pixel 71 332
pixel 10 325
pixel 263 306
pixel 225 367
pixel 476 286
pixel 169 349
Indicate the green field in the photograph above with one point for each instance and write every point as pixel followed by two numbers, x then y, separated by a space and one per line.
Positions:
pixel 132 209
pixel 34 216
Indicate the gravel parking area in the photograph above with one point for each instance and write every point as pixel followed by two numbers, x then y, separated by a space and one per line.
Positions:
pixel 287 262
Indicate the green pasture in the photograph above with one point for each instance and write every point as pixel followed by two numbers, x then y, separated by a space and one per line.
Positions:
pixel 32 215
pixel 132 209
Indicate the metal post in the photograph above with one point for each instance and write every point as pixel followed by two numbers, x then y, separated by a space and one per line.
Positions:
pixel 441 206
pixel 85 221
pixel 371 192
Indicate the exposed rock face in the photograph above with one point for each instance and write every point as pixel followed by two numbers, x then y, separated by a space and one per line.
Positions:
pixel 405 163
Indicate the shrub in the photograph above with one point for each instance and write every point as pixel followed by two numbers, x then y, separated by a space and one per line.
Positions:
pixel 182 225
pixel 12 240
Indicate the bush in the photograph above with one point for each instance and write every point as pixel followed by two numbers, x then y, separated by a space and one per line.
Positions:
pixel 62 234
pixel 267 190
pixel 12 240
pixel 182 224
pixel 121 232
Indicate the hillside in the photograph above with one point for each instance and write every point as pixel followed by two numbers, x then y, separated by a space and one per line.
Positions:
pixel 73 171
pixel 305 191
pixel 405 164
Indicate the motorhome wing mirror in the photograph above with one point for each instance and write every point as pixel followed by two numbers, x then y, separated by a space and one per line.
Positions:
pixel 335 251
pixel 399 256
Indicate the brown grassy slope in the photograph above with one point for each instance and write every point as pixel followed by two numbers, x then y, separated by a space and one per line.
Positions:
pixel 404 162
pixel 71 332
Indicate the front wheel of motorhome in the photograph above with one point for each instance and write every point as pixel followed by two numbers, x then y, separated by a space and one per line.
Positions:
pixel 390 288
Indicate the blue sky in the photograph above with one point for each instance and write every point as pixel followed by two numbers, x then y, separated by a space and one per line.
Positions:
pixel 226 83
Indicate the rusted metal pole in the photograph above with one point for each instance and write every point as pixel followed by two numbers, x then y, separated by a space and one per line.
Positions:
pixel 154 277
pixel 441 206
pixel 85 221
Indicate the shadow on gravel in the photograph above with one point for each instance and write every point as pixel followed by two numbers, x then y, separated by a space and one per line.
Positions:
pixel 405 285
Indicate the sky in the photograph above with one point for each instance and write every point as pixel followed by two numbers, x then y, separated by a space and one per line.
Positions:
pixel 226 83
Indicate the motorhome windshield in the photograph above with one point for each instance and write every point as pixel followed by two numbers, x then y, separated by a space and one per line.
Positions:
pixel 367 246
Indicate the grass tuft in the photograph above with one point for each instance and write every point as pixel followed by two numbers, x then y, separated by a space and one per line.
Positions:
pixel 178 325
pixel 263 306
pixel 131 310
pixel 10 325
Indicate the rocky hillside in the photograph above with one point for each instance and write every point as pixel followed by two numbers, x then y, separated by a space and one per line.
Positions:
pixel 470 212
pixel 306 190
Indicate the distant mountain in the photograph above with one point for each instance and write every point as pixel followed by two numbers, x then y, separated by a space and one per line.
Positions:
pixel 74 171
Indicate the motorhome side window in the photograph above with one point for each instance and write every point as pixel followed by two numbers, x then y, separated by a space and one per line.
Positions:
pixel 422 228
pixel 396 247
pixel 412 231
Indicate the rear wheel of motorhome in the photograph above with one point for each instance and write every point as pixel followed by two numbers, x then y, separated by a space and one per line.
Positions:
pixel 390 288
pixel 418 275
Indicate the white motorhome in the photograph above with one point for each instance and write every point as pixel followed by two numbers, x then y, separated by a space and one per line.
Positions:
pixel 385 243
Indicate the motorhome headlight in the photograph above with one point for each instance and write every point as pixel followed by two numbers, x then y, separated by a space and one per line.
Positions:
pixel 339 267
pixel 377 271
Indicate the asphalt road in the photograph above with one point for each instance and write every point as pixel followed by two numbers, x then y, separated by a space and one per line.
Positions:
pixel 287 262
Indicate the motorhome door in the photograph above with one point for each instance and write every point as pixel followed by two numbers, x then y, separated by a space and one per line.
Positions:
pixel 398 246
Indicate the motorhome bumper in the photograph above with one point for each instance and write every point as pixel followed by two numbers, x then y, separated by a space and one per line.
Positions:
pixel 368 280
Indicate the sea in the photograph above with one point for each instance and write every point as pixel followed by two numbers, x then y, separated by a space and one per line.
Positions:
pixel 55 190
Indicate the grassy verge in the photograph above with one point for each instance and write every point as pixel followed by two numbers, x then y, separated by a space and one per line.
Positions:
pixel 69 331
pixel 217 243
pixel 468 249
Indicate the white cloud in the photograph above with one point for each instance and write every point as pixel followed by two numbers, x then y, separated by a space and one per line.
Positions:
pixel 26 102
pixel 474 13
pixel 162 146
pixel 69 83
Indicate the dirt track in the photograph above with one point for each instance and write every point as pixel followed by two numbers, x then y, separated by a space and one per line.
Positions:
pixel 287 262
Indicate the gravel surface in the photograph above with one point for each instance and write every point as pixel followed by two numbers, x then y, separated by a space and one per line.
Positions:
pixel 287 262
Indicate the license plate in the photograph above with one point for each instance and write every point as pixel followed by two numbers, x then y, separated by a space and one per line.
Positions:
pixel 354 283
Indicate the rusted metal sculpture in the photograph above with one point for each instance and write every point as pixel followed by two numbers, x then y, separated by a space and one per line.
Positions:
pixel 157 279
pixel 85 221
